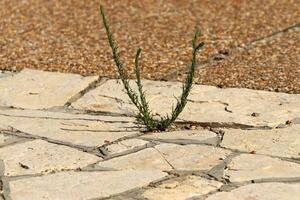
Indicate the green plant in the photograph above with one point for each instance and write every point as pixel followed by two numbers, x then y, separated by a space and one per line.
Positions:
pixel 139 100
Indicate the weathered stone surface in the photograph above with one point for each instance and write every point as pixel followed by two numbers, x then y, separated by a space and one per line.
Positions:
pixel 38 89
pixel 149 159
pixel 195 136
pixel 39 156
pixel 125 145
pixel 73 128
pixel 169 156
pixel 192 157
pixel 261 191
pixel 207 103
pixel 4 139
pixel 248 167
pixel 283 142
pixel 81 185
pixel 179 189
pixel 5 74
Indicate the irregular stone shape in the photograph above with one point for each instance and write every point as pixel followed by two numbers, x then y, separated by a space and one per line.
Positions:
pixel 39 156
pixel 35 89
pixel 81 185
pixel 125 145
pixel 284 142
pixel 192 136
pixel 248 167
pixel 207 103
pixel 72 128
pixel 147 159
pixel 261 191
pixel 179 189
pixel 170 156
pixel 192 157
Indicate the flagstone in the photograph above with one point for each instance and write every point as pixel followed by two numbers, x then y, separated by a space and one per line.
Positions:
pixel 207 103
pixel 35 89
pixel 147 159
pixel 81 185
pixel 261 191
pixel 38 156
pixel 191 136
pixel 284 142
pixel 71 128
pixel 179 189
pixel 248 167
pixel 125 145
pixel 170 156
pixel 192 157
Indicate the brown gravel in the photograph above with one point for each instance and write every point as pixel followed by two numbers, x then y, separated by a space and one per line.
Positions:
pixel 272 66
pixel 68 36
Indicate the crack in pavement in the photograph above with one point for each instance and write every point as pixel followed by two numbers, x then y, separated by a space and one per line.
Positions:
pixel 90 87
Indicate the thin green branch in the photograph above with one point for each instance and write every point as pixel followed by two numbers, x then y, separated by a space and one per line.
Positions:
pixel 140 100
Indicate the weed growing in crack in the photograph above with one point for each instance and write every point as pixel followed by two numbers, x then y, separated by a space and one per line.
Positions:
pixel 145 115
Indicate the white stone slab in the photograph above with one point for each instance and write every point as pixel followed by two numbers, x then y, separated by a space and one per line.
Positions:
pixel 284 142
pixel 147 159
pixel 170 156
pixel 207 103
pixel 71 128
pixel 81 185
pixel 179 189
pixel 39 156
pixel 248 167
pixel 125 145
pixel 192 157
pixel 182 135
pixel 262 191
pixel 35 89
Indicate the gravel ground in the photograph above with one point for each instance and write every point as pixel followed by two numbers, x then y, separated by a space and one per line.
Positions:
pixel 68 36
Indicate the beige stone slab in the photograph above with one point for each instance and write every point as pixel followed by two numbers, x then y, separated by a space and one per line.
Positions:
pixel 4 139
pixel 81 185
pixel 39 156
pixel 183 135
pixel 207 103
pixel 71 128
pixel 192 157
pixel 179 189
pixel 284 142
pixel 147 159
pixel 261 191
pixel 248 167
pixel 35 89
pixel 125 145
pixel 170 156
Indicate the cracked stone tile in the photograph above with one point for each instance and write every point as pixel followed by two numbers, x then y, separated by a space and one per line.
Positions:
pixel 81 185
pixel 35 89
pixel 192 157
pixel 179 189
pixel 248 167
pixel 284 142
pixel 39 156
pixel 149 159
pixel 261 191
pixel 207 103
pixel 72 128
pixel 169 156
pixel 125 145
pixel 192 136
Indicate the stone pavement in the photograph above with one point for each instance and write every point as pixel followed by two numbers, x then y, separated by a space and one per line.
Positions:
pixel 68 137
